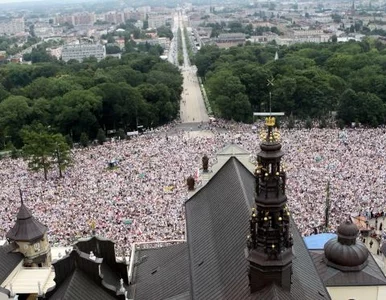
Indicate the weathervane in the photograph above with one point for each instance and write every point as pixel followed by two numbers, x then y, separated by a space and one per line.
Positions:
pixel 270 114
pixel 270 136
pixel 270 83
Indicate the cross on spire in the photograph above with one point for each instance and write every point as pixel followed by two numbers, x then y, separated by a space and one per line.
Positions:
pixel 270 114
pixel 270 83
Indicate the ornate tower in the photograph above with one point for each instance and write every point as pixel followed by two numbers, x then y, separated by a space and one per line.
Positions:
pixel 31 237
pixel 270 241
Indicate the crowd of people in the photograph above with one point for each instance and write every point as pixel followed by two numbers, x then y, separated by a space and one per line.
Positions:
pixel 140 198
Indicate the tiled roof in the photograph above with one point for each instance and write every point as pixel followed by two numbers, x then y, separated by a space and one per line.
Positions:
pixel 217 226
pixel 26 228
pixel 78 286
pixel 162 273
pixel 8 261
pixel 217 219
pixel 273 292
pixel 369 276
pixel 80 277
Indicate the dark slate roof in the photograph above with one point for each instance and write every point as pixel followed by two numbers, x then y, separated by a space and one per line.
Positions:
pixel 369 276
pixel 161 273
pixel 8 260
pixel 217 219
pixel 26 228
pixel 113 271
pixel 77 274
pixel 273 292
pixel 78 286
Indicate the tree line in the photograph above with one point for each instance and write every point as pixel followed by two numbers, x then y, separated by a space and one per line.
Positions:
pixel 309 80
pixel 76 99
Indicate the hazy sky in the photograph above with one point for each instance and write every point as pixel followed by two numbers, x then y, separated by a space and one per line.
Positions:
pixel 18 1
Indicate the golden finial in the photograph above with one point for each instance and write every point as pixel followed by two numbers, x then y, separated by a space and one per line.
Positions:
pixel 270 121
pixel 92 225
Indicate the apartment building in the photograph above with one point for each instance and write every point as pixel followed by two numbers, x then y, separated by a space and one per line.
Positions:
pixel 76 19
pixel 82 51
pixel 115 17
pixel 156 20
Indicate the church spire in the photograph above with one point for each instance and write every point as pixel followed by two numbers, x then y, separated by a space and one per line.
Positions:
pixel 270 241
pixel 31 237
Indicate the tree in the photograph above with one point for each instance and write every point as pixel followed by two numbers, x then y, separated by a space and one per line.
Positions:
pixel 291 122
pixel 348 106
pixel 113 49
pixel 165 31
pixel 308 123
pixel 3 93
pixel 371 109
pixel 84 139
pixel 77 112
pixel 62 154
pixel 323 123
pixel 14 113
pixel 38 149
pixel 69 141
pixel 121 134
pixel 101 137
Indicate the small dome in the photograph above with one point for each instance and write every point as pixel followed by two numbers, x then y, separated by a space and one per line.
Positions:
pixel 348 229
pixel 345 253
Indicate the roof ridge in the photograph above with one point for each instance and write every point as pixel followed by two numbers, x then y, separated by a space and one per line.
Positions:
pixel 229 161
pixel 237 163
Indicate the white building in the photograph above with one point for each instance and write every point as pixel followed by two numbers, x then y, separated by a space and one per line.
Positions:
pixel 81 51
pixel 13 26
pixel 155 20
pixel 43 30
pixel 56 52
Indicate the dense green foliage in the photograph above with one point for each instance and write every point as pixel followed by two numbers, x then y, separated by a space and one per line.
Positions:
pixel 233 27
pixel 180 53
pixel 189 45
pixel 165 31
pixel 11 44
pixel 310 80
pixel 76 98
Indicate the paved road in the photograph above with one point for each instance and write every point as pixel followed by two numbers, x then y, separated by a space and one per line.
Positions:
pixel 172 57
pixel 192 108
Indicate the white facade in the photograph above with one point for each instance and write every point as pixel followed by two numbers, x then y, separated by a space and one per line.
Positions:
pixel 13 26
pixel 81 51
pixel 56 52
pixel 357 292
pixel 43 30
pixel 156 21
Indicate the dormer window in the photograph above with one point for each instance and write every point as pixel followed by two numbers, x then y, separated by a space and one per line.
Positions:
pixel 37 247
